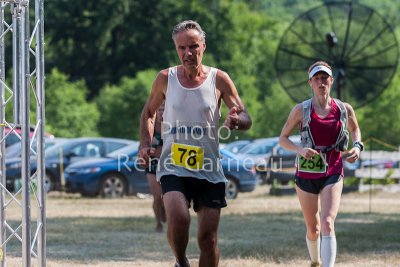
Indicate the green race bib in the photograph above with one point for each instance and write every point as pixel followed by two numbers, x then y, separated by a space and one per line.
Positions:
pixel 315 165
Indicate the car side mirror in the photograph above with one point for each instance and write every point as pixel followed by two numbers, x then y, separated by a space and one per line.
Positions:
pixel 71 154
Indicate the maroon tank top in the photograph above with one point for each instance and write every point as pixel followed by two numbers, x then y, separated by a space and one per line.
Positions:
pixel 325 132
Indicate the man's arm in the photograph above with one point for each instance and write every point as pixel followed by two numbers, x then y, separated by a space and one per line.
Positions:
pixel 237 118
pixel 147 119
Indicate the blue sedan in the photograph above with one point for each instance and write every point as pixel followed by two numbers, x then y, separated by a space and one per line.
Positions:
pixel 60 155
pixel 241 174
pixel 120 174
pixel 116 175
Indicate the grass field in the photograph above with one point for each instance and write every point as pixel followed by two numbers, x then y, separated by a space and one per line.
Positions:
pixel 256 229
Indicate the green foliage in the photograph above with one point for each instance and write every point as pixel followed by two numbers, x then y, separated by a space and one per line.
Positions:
pixel 351 181
pixel 68 114
pixel 384 181
pixel 245 53
pixel 386 9
pixel 380 119
pixel 101 41
pixel 273 114
pixel 105 40
pixel 121 105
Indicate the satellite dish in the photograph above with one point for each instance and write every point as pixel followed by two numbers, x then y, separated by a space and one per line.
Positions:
pixel 358 43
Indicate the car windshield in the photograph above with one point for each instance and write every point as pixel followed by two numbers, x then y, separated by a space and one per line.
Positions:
pixel 257 148
pixel 127 150
pixel 15 149
pixel 55 149
pixel 228 154
pixel 236 145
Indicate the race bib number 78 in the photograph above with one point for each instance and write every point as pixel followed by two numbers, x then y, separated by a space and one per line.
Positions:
pixel 191 157
pixel 315 165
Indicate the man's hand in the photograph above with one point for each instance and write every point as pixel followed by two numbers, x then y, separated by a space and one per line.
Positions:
pixel 232 119
pixel 144 155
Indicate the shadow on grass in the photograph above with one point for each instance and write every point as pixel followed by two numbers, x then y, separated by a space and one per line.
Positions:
pixel 271 237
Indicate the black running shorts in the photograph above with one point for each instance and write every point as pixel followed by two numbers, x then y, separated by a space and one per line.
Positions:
pixel 152 168
pixel 315 186
pixel 201 192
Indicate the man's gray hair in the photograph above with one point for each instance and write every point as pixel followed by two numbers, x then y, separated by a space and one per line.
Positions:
pixel 187 25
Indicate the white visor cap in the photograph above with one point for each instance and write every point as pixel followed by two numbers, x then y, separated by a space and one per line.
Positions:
pixel 319 68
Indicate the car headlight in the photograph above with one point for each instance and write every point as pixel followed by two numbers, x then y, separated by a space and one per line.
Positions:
pixel 91 170
pixel 84 170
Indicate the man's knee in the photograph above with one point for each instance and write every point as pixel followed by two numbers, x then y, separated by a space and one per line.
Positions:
pixel 208 241
pixel 178 221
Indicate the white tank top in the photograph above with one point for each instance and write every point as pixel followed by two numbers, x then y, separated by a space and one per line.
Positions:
pixel 190 130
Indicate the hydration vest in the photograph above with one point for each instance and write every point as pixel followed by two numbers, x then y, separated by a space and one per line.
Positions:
pixel 305 132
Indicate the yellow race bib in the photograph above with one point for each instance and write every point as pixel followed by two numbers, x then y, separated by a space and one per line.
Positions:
pixel 190 157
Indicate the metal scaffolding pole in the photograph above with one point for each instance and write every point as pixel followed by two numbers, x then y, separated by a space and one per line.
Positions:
pixel 40 116
pixel 26 82
pixel 2 144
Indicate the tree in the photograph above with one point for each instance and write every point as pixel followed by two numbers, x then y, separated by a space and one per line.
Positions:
pixel 273 114
pixel 105 40
pixel 239 39
pixel 68 114
pixel 101 41
pixel 380 118
pixel 121 105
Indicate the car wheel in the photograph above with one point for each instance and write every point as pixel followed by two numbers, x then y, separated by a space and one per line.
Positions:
pixel 48 183
pixel 112 186
pixel 231 189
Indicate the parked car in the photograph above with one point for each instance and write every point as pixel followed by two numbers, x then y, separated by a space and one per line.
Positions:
pixel 13 134
pixel 59 156
pixel 379 163
pixel 120 174
pixel 115 175
pixel 241 175
pixel 272 161
pixel 235 146
pixel 14 150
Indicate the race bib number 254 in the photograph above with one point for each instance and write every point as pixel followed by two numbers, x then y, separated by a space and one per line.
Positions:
pixel 190 157
pixel 315 165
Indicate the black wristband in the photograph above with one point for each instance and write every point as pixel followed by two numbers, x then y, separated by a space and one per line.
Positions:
pixel 359 145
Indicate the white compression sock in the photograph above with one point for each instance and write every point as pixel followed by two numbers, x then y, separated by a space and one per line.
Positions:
pixel 313 249
pixel 328 251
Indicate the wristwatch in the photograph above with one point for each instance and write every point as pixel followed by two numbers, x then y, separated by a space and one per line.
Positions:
pixel 359 144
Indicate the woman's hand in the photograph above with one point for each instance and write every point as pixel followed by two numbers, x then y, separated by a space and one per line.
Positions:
pixel 308 153
pixel 353 154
